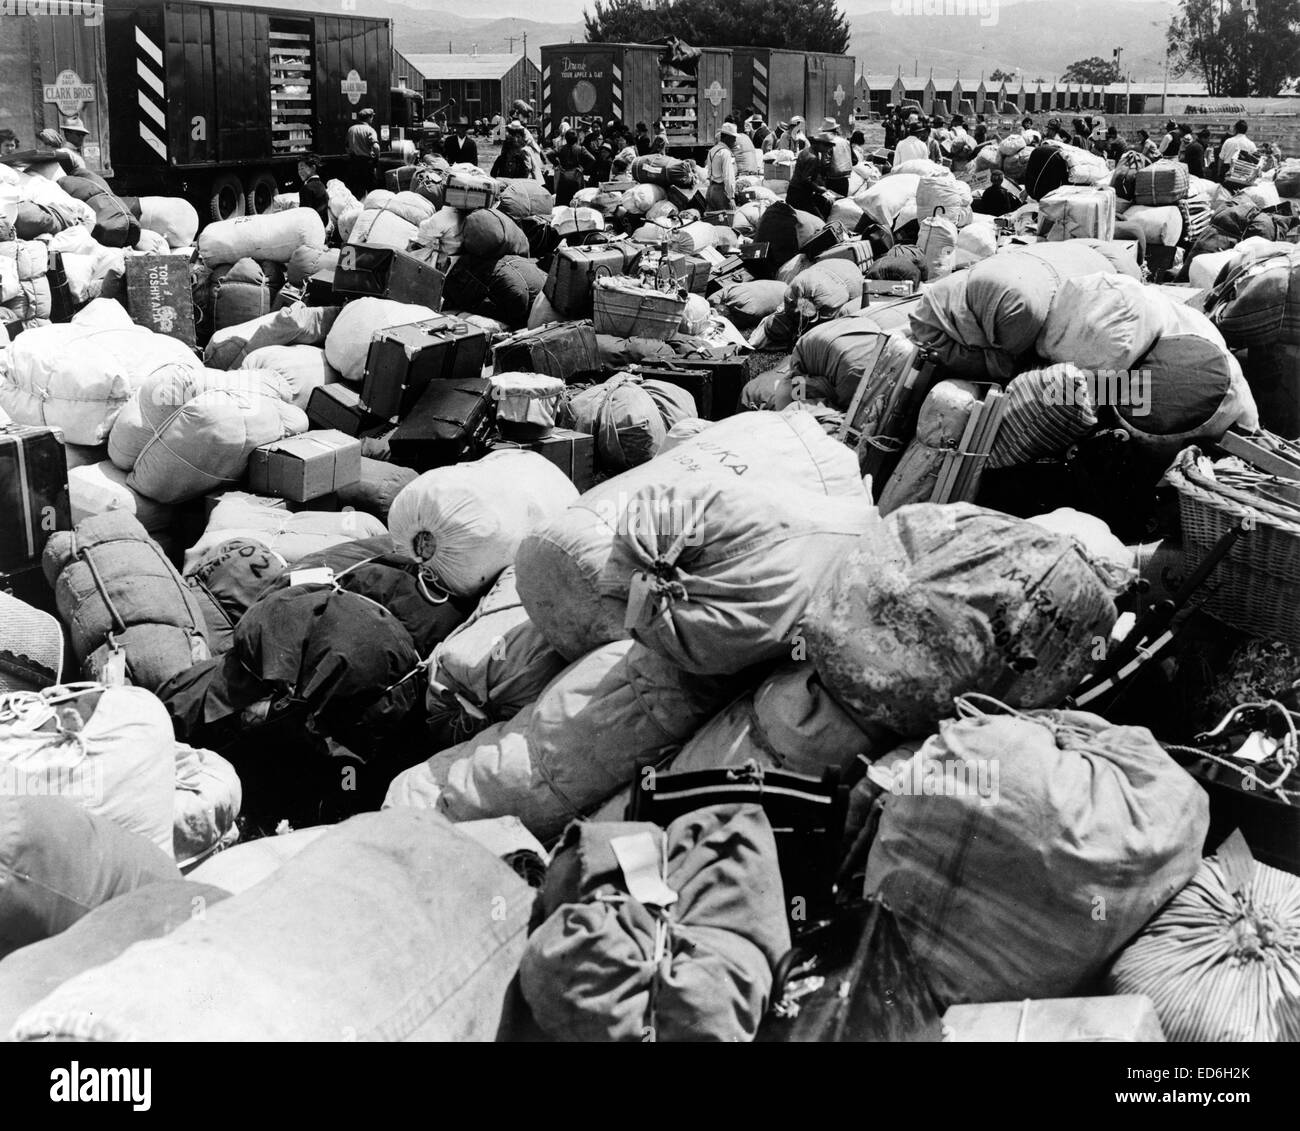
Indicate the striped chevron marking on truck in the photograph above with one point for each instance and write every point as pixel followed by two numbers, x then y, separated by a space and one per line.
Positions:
pixel 546 94
pixel 616 92
pixel 760 88
pixel 151 94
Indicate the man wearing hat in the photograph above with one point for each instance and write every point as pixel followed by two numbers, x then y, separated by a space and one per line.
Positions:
pixel 794 137
pixel 363 154
pixel 762 137
pixel 721 196
pixel 829 126
pixel 460 148
pixel 67 144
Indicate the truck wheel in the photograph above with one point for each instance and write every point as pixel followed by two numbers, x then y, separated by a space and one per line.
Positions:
pixel 262 191
pixel 227 197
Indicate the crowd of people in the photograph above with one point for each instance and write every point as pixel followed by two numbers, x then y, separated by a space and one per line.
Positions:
pixel 910 134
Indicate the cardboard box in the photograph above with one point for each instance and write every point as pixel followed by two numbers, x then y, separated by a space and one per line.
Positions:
pixel 33 492
pixel 574 453
pixel 403 360
pixel 306 467
pixel 1124 1017
pixel 159 295
pixel 382 272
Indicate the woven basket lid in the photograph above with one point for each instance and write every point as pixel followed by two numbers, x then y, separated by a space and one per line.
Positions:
pixel 537 386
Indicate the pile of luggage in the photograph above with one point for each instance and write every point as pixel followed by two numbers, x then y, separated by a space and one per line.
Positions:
pixel 656 624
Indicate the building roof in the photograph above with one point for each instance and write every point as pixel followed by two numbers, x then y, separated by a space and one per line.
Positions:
pixel 879 81
pixel 463 66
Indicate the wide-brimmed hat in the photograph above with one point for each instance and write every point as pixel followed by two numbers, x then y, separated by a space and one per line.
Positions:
pixel 830 126
pixel 75 125
pixel 728 129
pixel 515 126
pixel 796 121
pixel 462 122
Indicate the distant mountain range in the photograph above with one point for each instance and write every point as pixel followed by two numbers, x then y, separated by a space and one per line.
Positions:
pixel 1033 38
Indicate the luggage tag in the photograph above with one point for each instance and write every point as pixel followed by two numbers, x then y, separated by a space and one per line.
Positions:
pixel 641 858
pixel 320 575
pixel 113 672
pixel 712 256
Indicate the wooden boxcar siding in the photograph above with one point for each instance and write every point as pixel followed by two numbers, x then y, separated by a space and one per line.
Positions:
pixel 625 81
pixel 715 67
pixel 242 67
pixel 838 104
pixel 769 82
pixel 32 53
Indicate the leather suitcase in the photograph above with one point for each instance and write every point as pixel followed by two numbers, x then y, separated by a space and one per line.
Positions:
pixel 450 423
pixel 559 349
pixel 160 296
pixel 573 272
pixel 339 407
pixel 403 360
pixel 318 290
pixel 830 236
pixel 33 493
pixel 381 272
pixel 696 381
pixel 855 251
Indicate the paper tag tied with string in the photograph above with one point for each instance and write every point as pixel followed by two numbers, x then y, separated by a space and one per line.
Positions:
pixel 641 857
pixel 321 575
pixel 113 672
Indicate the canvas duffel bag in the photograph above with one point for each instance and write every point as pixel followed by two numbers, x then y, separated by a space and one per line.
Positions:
pixel 1161 182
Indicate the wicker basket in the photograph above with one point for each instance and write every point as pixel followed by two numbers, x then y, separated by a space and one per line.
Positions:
pixel 625 310
pixel 1255 588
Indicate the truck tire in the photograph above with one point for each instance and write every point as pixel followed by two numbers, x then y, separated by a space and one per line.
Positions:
pixel 226 197
pixel 262 190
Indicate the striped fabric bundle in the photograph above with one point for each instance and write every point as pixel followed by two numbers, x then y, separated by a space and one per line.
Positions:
pixel 1196 212
pixel 1222 960
pixel 1047 410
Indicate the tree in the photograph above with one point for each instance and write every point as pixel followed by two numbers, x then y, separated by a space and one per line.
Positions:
pixel 1237 51
pixel 800 25
pixel 1000 75
pixel 1093 72
pixel 625 21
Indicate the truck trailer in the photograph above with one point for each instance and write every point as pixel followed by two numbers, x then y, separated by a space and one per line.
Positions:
pixel 632 82
pixel 214 101
pixel 204 100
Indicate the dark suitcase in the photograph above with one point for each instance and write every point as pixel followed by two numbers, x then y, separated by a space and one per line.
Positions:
pixel 543 239
pixel 381 272
pixel 339 407
pixel 450 423
pixel 684 198
pixel 697 382
pixel 559 349
pixel 574 453
pixel 573 274
pixel 29 584
pixel 403 360
pixel 160 296
pixel 33 493
pixel 830 236
pixel 730 270
pixel 318 290
pixel 730 375
pixel 62 307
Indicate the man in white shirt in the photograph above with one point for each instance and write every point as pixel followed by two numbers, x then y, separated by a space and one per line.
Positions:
pixel 747 158
pixel 794 138
pixel 1236 145
pixel 913 147
pixel 722 171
